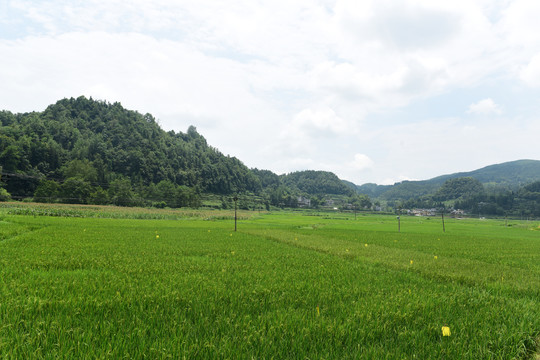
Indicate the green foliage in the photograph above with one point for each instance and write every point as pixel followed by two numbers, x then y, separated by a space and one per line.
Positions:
pixel 121 193
pixel 459 188
pixel 82 169
pixel 4 195
pixel 360 202
pixel 316 182
pixel 507 176
pixel 47 191
pixel 75 191
pixel 98 142
pixel 267 178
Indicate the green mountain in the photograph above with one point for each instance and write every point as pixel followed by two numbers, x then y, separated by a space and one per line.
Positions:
pixel 316 183
pixel 511 174
pixel 86 151
pixel 508 175
pixel 98 143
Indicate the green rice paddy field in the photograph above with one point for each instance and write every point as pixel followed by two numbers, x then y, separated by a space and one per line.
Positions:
pixel 284 286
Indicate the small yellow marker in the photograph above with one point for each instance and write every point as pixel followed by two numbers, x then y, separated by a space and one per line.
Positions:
pixel 157 236
pixel 445 331
pixel 365 245
pixel 411 262
pixel 318 312
pixel 435 257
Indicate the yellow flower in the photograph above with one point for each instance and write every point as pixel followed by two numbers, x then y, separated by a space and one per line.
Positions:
pixel 157 236
pixel 435 257
pixel 445 331
pixel 365 245
pixel 411 262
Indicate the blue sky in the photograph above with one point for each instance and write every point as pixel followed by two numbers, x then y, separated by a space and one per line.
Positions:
pixel 375 91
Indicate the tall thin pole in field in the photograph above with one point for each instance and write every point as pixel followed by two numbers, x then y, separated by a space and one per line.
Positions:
pixel 399 221
pixel 442 216
pixel 235 217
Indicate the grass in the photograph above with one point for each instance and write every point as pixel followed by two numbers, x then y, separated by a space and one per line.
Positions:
pixel 285 285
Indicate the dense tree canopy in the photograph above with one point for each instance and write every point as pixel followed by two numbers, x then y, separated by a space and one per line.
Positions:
pixel 464 187
pixel 316 182
pixel 87 146
pixel 94 152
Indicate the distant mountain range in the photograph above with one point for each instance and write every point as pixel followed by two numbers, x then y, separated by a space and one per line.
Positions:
pixel 509 175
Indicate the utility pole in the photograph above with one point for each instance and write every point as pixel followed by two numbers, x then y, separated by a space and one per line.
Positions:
pixel 235 217
pixel 442 216
pixel 399 220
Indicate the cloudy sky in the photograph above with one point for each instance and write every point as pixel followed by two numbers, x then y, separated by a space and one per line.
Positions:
pixel 375 91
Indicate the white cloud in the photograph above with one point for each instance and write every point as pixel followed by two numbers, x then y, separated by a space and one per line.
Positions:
pixel 484 107
pixel 318 122
pixel 291 84
pixel 361 162
pixel 530 73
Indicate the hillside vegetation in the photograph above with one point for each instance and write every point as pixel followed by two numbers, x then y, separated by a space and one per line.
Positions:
pixel 84 151
pixel 500 190
pixel 93 152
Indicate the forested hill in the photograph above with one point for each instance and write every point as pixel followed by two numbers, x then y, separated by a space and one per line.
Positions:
pixel 100 142
pixel 509 176
pixel 87 151
pixel 507 189
pixel 316 183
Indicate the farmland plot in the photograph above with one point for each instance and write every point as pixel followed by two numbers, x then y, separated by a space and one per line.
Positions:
pixel 283 286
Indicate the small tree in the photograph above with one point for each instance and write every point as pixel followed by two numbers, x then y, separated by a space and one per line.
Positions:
pixel 120 192
pixel 4 195
pixel 47 191
pixel 75 191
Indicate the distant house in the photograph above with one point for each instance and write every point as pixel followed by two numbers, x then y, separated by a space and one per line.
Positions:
pixel 304 202
pixel 422 212
pixel 457 213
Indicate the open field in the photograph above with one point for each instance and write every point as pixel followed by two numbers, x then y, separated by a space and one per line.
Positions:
pixel 302 285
